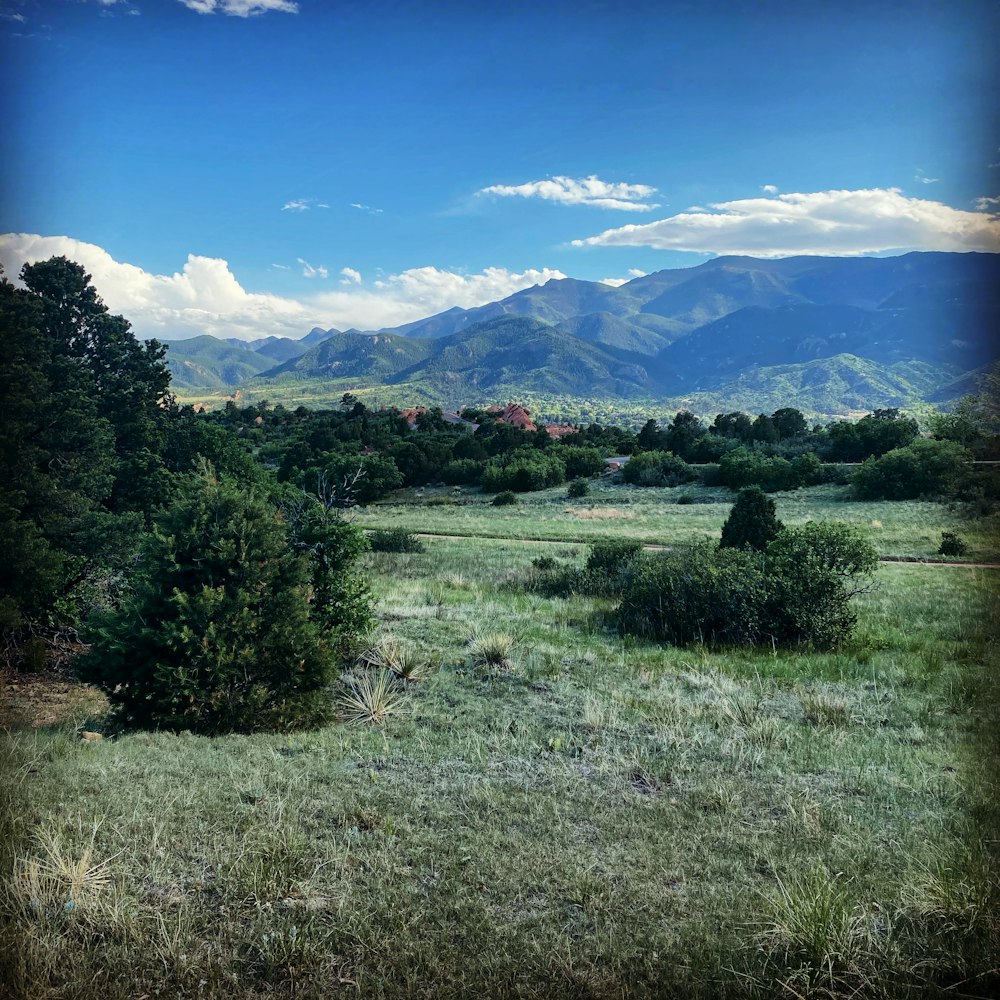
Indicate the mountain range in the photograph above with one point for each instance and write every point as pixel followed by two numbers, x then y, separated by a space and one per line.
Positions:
pixel 829 335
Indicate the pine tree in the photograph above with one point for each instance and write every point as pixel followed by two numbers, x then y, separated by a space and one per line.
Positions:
pixel 752 523
pixel 220 635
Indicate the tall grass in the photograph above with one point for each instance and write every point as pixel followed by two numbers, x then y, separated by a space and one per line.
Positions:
pixel 614 818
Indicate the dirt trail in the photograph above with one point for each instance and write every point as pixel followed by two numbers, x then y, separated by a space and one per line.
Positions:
pixel 649 547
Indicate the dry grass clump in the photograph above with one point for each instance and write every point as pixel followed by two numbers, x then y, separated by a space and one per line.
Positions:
pixel 370 697
pixel 59 878
pixel 494 651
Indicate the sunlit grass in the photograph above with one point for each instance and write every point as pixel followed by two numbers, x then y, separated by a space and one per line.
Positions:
pixel 612 818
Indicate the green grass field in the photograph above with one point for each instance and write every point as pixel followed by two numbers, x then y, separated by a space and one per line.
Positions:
pixel 599 818
pixel 652 515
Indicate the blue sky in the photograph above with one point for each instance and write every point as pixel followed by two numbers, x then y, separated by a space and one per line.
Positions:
pixel 245 167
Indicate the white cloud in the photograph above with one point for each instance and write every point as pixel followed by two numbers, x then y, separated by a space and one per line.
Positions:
pixel 302 205
pixel 205 297
pixel 366 208
pixel 633 272
pixel 308 271
pixel 924 179
pixel 585 191
pixel 769 189
pixel 824 222
pixel 241 8
pixel 280 267
pixel 11 16
pixel 350 276
pixel 986 204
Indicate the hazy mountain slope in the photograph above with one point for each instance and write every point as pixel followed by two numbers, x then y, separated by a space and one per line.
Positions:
pixel 209 362
pixel 354 354
pixel 513 351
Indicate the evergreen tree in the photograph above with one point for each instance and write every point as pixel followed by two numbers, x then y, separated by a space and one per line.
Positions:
pixel 232 625
pixel 752 523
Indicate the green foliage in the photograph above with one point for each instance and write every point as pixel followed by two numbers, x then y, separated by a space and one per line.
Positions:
pixel 524 470
pixel 235 621
pixel 461 471
pixel 657 468
pixel 699 595
pixel 394 540
pixel 796 592
pixel 611 556
pixel 813 571
pixel 742 467
pixel 580 462
pixel 752 522
pixel 871 436
pixel 578 488
pixel 506 498
pixel 925 468
pixel 952 545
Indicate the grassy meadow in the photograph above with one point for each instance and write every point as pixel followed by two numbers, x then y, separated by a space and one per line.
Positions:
pixel 585 816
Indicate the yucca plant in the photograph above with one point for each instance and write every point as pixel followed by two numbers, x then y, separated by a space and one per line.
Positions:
pixel 493 651
pixel 403 662
pixel 370 699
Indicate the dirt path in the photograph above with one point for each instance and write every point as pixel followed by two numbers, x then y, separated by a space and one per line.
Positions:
pixel 649 547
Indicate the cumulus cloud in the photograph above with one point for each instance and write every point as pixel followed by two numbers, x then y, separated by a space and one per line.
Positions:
pixel 241 8
pixel 769 189
pixel 308 271
pixel 585 191
pixel 845 223
pixel 349 276
pixel 205 296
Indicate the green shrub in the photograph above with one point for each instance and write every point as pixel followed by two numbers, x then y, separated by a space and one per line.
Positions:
pixel 813 570
pixel 580 462
pixel 578 488
pixel 461 471
pixel 703 594
pixel 610 556
pixel 925 468
pixel 752 523
pixel 657 468
pixel 524 470
pixel 505 498
pixel 685 498
pixel 742 467
pixel 237 619
pixel 394 540
pixel 952 545
pixel 796 592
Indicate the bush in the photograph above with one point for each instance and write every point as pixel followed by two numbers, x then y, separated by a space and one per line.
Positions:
pixel 704 594
pixel 741 467
pixel 925 468
pixel 813 571
pixel 524 470
pixel 505 498
pixel 752 523
pixel 609 557
pixel 657 468
pixel 461 471
pixel 237 619
pixel 797 592
pixel 952 545
pixel 578 488
pixel 394 540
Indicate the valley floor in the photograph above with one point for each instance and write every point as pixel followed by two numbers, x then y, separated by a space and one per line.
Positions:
pixel 607 818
